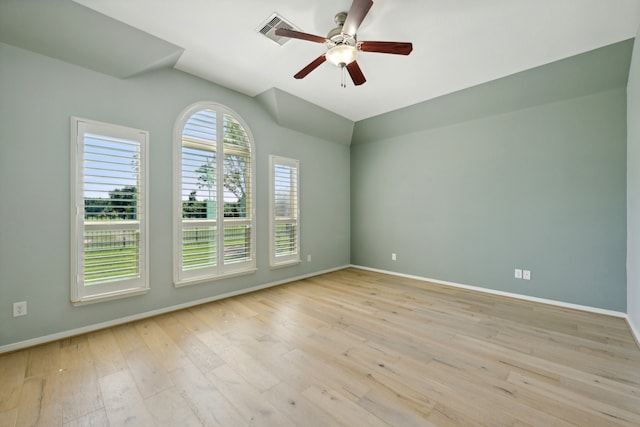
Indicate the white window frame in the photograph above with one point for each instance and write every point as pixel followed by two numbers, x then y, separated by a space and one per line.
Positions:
pixel 80 292
pixel 182 277
pixel 277 260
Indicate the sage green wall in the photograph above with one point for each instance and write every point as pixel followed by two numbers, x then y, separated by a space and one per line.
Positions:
pixel 296 113
pixel 39 94
pixel 633 191
pixel 540 188
pixel 534 182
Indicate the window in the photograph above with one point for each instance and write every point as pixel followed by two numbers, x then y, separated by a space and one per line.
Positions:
pixel 213 195
pixel 284 197
pixel 109 212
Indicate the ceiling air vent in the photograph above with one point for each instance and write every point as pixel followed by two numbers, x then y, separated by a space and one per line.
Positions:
pixel 268 29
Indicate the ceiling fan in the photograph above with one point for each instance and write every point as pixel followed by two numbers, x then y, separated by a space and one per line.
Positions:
pixel 342 44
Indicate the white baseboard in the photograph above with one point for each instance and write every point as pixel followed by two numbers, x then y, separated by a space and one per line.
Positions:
pixel 97 326
pixel 504 294
pixel 635 330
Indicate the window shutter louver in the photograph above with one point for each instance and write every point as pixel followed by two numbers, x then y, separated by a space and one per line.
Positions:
pixel 111 177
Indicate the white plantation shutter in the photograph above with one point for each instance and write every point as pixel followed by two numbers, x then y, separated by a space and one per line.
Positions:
pixel 198 252
pixel 109 231
pixel 285 211
pixel 236 176
pixel 214 228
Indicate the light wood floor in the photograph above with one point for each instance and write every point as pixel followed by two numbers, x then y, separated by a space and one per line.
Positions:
pixel 351 348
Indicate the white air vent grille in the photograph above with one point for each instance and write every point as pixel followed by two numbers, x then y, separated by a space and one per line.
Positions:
pixel 268 29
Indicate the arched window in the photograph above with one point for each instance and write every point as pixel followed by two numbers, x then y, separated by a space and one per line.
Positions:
pixel 213 195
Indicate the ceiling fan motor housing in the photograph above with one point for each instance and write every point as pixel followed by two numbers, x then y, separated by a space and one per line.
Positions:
pixel 337 37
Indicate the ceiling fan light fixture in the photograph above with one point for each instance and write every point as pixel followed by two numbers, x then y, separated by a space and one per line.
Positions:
pixel 342 55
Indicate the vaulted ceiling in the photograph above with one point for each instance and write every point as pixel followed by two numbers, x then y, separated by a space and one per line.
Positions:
pixel 456 44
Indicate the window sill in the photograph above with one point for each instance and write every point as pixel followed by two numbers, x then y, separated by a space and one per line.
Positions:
pixel 109 296
pixel 198 280
pixel 284 264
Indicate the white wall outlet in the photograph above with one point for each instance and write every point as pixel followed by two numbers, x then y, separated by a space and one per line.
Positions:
pixel 518 273
pixel 19 308
pixel 393 257
pixel 526 274
pixel 309 258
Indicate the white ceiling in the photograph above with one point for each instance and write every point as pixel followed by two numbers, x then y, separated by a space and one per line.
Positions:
pixel 456 43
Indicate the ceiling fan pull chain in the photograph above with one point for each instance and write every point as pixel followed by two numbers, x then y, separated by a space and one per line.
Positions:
pixel 342 76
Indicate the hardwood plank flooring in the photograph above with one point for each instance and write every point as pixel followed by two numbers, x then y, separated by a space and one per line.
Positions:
pixel 348 348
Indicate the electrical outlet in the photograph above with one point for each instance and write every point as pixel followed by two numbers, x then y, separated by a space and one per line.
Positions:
pixel 526 274
pixel 309 258
pixel 19 308
pixel 393 257
pixel 518 273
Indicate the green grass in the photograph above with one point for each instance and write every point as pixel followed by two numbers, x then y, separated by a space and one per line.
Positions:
pixel 285 239
pixel 105 262
pixel 198 255
pixel 107 265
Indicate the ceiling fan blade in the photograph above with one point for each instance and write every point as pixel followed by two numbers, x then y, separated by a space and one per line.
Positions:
pixel 356 73
pixel 355 16
pixel 312 66
pixel 285 32
pixel 396 48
